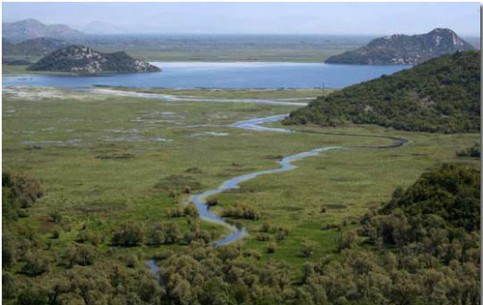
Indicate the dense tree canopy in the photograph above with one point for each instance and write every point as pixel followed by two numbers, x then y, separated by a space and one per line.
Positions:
pixel 440 95
pixel 422 247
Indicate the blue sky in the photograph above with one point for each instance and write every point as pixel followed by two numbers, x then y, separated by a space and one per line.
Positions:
pixel 257 18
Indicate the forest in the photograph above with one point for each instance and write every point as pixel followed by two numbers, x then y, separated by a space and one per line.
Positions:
pixel 421 247
pixel 441 95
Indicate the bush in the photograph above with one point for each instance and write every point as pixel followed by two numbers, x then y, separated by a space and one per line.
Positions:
pixel 83 255
pixel 344 240
pixel 128 234
pixel 241 211
pixel 473 151
pixel 266 227
pixel 281 233
pixel 191 210
pixel 87 236
pixel 272 247
pixel 36 264
pixel 212 202
pixel 18 192
pixel 175 212
pixel 307 249
pixel 55 234
pixel 55 216
pixel 164 233
pixel 263 237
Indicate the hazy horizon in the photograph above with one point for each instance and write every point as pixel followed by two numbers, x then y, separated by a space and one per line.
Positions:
pixel 254 18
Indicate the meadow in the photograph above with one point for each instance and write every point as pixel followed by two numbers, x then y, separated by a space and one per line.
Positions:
pixel 104 160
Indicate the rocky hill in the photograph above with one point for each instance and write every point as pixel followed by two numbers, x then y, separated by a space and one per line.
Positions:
pixel 440 95
pixel 84 60
pixel 31 28
pixel 404 49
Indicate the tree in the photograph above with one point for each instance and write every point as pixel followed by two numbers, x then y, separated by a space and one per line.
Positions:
pixel 128 234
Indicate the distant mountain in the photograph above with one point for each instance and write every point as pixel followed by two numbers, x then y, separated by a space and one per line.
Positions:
pixel 83 60
pixel 34 47
pixel 404 49
pixel 101 28
pixel 440 95
pixel 32 28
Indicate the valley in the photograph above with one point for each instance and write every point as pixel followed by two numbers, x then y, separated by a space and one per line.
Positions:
pixel 241 153
pixel 104 153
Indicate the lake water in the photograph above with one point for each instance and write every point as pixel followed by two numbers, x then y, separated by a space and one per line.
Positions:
pixel 233 75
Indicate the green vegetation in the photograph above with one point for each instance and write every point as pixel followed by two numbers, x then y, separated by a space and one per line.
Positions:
pixel 112 175
pixel 452 193
pixel 440 95
pixel 473 151
pixel 402 258
pixel 22 69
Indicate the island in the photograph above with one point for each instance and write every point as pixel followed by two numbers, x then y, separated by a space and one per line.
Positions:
pixel 84 60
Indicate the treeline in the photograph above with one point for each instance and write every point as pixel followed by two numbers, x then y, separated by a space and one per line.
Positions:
pixel 441 95
pixel 422 247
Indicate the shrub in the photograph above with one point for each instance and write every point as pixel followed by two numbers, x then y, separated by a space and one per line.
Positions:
pixel 241 211
pixel 307 249
pixel 35 264
pixel 128 234
pixel 263 237
pixel 85 235
pixel 191 210
pixel 164 233
pixel 281 233
pixel 55 216
pixel 344 240
pixel 79 255
pixel 272 247
pixel 212 202
pixel 175 212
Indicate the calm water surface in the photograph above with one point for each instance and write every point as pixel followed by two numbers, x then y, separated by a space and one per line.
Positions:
pixel 233 75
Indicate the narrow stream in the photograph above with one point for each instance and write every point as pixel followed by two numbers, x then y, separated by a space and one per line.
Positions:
pixel 199 200
pixel 286 164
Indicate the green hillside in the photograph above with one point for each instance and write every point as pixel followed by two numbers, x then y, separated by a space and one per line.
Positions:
pixel 440 95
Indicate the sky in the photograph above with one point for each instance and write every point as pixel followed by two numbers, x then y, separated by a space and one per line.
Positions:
pixel 258 18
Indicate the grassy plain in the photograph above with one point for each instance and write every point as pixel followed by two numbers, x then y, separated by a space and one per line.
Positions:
pixel 98 158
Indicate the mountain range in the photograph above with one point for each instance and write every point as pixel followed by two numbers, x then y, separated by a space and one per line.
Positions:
pixel 15 32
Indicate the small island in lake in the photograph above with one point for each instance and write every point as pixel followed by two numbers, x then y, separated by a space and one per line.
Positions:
pixel 83 60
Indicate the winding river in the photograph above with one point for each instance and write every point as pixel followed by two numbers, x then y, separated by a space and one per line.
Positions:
pixel 200 200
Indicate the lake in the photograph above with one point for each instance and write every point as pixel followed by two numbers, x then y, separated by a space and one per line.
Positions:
pixel 230 75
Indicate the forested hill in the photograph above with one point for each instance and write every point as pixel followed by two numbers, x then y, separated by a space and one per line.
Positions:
pixel 441 95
